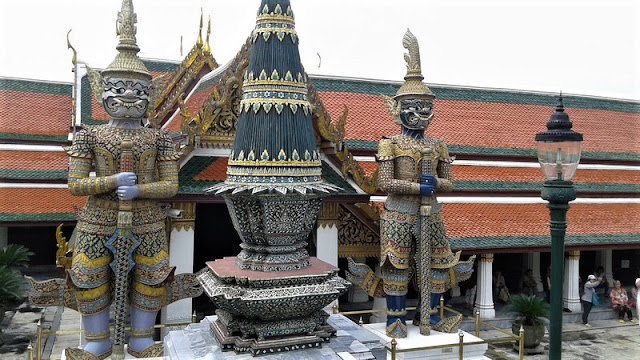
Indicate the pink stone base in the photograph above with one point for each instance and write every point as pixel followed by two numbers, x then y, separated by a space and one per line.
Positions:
pixel 226 268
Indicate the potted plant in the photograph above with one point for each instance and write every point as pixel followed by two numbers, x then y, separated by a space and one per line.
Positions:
pixel 11 280
pixel 532 313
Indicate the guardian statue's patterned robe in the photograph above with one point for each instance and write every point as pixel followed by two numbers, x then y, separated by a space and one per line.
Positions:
pixel 156 167
pixel 400 167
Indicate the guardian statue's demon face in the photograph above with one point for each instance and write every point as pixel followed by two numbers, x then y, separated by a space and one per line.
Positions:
pixel 126 98
pixel 416 114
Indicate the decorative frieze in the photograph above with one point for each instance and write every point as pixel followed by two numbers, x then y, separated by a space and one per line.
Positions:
pixel 186 220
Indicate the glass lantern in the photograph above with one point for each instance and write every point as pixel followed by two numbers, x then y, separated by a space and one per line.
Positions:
pixel 559 160
pixel 559 147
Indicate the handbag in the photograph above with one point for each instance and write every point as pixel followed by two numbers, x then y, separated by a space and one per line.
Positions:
pixel 594 299
pixel 503 295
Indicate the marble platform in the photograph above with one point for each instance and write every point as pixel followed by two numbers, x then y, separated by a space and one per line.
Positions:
pixel 351 342
pixel 127 356
pixel 414 340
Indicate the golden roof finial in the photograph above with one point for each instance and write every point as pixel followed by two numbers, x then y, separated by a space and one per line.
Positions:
pixel 207 48
pixel 69 46
pixel 199 41
pixel 180 45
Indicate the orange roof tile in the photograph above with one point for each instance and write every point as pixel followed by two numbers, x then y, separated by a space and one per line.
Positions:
pixel 487 220
pixel 488 124
pixel 19 200
pixel 369 167
pixel 217 171
pixel 486 173
pixel 34 113
pixel 33 160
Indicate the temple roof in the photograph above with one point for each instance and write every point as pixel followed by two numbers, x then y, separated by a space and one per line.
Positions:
pixel 33 165
pixel 38 205
pixel 501 226
pixel 34 111
pixel 477 124
pixel 487 122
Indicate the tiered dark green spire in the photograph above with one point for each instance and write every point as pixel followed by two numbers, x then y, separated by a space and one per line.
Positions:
pixel 274 147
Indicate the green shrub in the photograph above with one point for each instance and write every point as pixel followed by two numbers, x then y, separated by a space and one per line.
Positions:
pixel 14 256
pixel 10 284
pixel 11 280
pixel 529 310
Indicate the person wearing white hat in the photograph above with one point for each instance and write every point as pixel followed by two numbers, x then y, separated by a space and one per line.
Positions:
pixel 587 297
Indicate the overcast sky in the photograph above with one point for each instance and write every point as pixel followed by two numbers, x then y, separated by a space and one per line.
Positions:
pixel 579 47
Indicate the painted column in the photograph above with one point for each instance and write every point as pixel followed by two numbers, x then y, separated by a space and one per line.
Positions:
pixel 327 237
pixel 181 251
pixel 570 291
pixel 4 236
pixel 533 263
pixel 484 296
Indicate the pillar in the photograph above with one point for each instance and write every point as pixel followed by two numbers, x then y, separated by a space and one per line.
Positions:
pixel 181 250
pixel 533 263
pixel 327 237
pixel 570 291
pixel 607 263
pixel 484 295
pixel 4 236
pixel 327 233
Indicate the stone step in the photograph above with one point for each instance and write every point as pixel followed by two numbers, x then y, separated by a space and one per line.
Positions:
pixel 501 321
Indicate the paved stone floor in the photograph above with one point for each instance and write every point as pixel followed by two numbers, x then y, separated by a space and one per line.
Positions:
pixel 607 339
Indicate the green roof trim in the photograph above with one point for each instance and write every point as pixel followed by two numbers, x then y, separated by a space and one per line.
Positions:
pixel 85 99
pixel 482 95
pixel 206 84
pixel 490 242
pixel 537 186
pixel 332 177
pixel 21 137
pixel 361 144
pixel 33 217
pixel 159 66
pixel 36 87
pixel 33 174
pixel 195 165
pixel 498 151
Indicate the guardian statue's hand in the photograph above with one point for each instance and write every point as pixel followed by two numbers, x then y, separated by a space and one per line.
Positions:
pixel 428 184
pixel 125 178
pixel 127 192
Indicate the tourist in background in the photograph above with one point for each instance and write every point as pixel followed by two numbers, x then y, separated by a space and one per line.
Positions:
pixel 500 290
pixel 620 302
pixel 604 283
pixel 635 296
pixel 529 284
pixel 587 297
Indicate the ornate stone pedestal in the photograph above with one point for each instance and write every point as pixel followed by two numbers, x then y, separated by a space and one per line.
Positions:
pixel 264 312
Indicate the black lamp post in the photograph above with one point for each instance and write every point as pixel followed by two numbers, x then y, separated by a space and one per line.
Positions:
pixel 559 154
